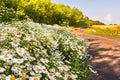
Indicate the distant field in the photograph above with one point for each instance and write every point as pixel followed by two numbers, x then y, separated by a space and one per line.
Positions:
pixel 111 27
pixel 106 30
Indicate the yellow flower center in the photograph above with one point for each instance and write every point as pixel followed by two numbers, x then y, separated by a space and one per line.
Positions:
pixel 12 78
pixel 51 74
pixel 24 57
pixel 58 74
pixel 12 50
pixel 38 69
pixel 35 78
pixel 15 41
pixel 44 59
pixel 23 78
pixel 41 67
pixel 18 60
pixel 44 69
pixel 34 65
pixel 31 58
pixel 19 49
pixel 11 60
pixel 6 56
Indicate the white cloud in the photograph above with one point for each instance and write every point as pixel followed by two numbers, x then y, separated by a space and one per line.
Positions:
pixel 108 18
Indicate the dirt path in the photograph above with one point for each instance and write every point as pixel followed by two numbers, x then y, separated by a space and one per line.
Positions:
pixel 106 55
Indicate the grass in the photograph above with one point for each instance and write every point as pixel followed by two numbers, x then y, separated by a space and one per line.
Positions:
pixel 106 30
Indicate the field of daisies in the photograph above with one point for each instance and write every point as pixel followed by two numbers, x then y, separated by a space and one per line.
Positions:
pixel 33 51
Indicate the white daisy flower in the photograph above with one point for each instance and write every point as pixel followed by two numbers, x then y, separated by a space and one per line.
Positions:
pixel 51 76
pixel 19 61
pixel 10 61
pixel 74 77
pixel 14 68
pixel 29 68
pixel 27 64
pixel 61 69
pixel 20 51
pixel 15 43
pixel 34 78
pixel 66 68
pixel 22 72
pixel 52 70
pixel 66 76
pixel 25 57
pixel 28 57
pixel 57 74
pixel 5 51
pixel 10 77
pixel 32 73
pixel 2 76
pixel 37 68
pixel 44 60
pixel 2 70
pixel 22 66
pixel 6 57
pixel 31 58
pixel 44 70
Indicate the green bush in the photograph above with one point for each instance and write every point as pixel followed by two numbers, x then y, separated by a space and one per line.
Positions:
pixel 31 50
pixel 7 14
pixel 49 13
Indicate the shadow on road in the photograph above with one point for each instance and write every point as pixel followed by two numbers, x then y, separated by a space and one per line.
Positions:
pixel 104 63
pixel 106 55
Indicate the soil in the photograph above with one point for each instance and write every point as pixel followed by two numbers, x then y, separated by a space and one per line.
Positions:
pixel 106 55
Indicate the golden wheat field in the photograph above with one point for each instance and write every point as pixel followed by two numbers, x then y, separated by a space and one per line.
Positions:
pixel 111 27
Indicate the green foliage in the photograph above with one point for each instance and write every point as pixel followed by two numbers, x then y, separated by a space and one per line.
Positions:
pixel 92 22
pixel 63 53
pixel 44 11
pixel 7 14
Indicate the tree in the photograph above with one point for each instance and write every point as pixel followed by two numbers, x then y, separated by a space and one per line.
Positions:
pixel 44 11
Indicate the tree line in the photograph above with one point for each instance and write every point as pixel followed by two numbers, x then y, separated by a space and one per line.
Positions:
pixel 44 11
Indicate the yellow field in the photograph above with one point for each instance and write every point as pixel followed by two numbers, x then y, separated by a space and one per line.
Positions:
pixel 111 27
pixel 106 30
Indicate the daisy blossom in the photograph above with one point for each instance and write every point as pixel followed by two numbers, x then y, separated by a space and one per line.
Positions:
pixel 20 51
pixel 2 69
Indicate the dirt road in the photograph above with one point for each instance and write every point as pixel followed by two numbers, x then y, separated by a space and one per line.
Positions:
pixel 106 55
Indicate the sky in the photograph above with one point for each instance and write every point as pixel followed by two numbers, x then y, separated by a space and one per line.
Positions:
pixel 107 11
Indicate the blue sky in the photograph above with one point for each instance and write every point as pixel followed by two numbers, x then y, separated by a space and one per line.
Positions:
pixel 107 11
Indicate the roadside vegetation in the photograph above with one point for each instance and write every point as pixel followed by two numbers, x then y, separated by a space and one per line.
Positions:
pixel 44 11
pixel 36 51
